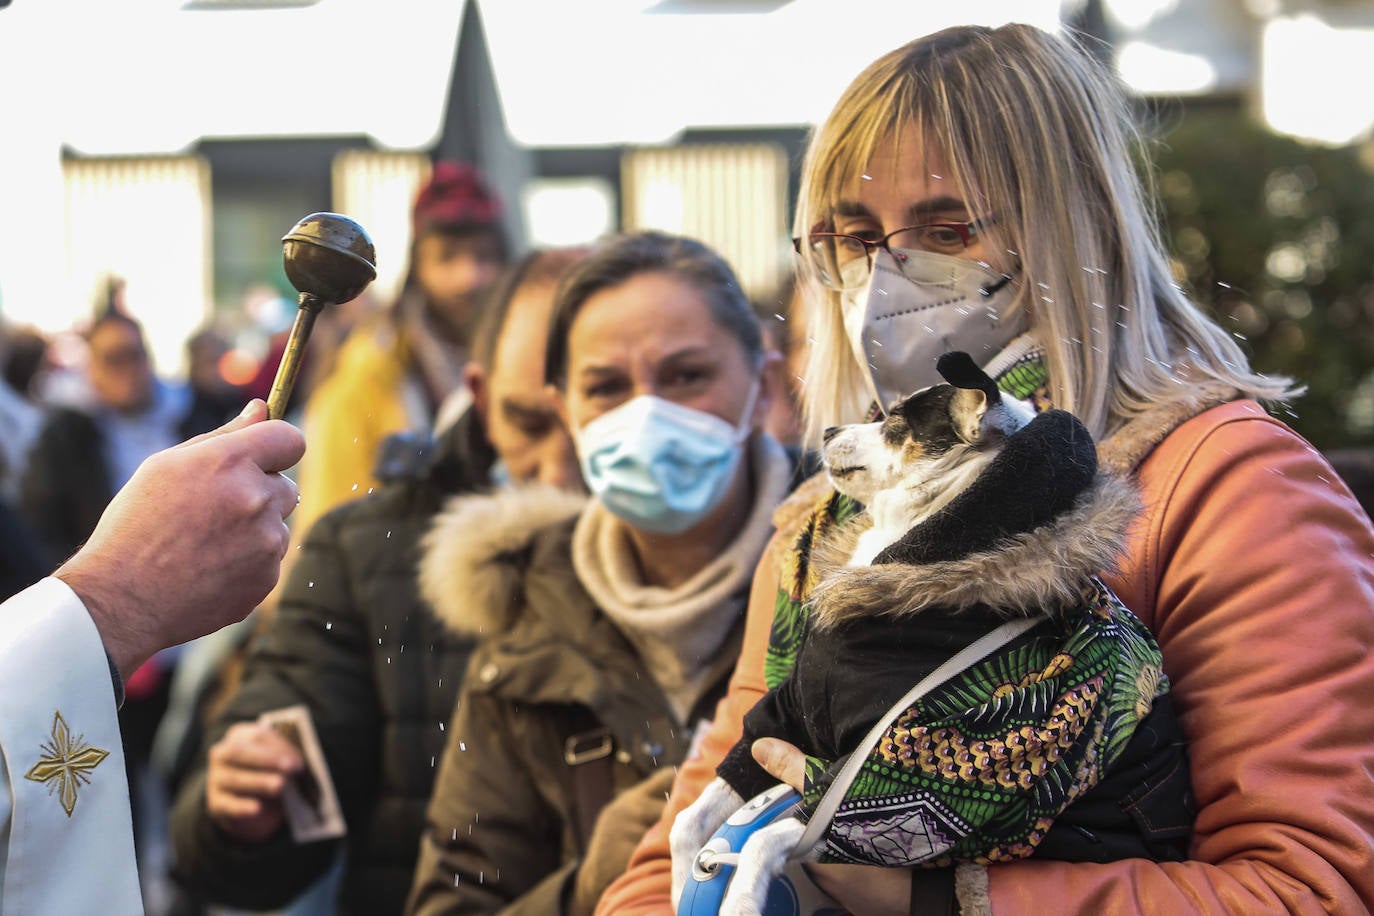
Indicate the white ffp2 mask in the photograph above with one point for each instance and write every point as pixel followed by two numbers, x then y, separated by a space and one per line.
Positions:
pixel 905 319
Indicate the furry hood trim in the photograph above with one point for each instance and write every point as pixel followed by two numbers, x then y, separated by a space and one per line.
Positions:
pixel 1044 570
pixel 470 569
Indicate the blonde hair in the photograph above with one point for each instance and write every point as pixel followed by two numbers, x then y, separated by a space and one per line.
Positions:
pixel 1038 134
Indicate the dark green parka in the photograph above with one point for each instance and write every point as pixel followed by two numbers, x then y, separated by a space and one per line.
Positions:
pixel 556 717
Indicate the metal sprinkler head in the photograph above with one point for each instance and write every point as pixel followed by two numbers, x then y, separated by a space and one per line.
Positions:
pixel 329 259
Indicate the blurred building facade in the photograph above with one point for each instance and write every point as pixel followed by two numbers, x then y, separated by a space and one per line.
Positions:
pixel 712 124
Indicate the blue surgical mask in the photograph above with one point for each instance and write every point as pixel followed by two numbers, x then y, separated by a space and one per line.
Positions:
pixel 660 466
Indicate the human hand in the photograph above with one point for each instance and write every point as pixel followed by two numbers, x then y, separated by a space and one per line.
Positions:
pixel 247 771
pixel 193 541
pixel 863 889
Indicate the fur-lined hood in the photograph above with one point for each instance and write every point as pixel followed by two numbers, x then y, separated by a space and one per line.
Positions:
pixel 1025 538
pixel 469 567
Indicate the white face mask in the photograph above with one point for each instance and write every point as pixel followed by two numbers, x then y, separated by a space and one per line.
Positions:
pixel 904 320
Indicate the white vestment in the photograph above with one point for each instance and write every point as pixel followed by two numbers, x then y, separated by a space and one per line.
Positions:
pixel 66 836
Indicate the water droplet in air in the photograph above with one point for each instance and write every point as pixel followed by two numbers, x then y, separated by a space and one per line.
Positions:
pixel 866 177
pixel 310 584
pixel 355 488
pixel 329 625
pixel 463 746
pixel 779 317
pixel 388 534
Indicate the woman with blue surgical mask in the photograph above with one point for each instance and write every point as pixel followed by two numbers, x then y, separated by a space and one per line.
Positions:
pixel 610 623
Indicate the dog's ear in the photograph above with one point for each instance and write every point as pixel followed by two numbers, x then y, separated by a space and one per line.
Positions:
pixel 959 369
pixel 967 408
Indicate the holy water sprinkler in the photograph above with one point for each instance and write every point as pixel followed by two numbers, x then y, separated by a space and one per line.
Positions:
pixel 329 260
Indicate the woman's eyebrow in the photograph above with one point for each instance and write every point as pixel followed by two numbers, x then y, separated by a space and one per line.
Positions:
pixel 916 213
pixel 850 208
pixel 925 209
pixel 686 354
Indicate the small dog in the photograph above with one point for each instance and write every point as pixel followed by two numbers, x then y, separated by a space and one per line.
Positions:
pixel 945 550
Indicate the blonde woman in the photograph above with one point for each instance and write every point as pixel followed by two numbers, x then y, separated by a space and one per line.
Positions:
pixel 977 190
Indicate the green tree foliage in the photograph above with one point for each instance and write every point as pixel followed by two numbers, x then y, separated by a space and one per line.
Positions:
pixel 1277 238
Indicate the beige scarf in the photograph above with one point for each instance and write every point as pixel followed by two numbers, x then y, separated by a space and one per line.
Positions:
pixel 678 631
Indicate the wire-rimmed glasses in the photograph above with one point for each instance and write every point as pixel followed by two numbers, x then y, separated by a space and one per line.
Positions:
pixel 845 261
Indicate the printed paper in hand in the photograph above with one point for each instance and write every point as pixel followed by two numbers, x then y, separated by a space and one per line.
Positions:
pixel 312 808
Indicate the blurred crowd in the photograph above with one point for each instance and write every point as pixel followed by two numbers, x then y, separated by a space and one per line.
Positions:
pixel 439 392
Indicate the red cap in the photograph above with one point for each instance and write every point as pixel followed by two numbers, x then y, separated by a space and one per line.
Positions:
pixel 455 196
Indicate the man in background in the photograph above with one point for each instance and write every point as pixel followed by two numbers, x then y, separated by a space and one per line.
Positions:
pixel 353 641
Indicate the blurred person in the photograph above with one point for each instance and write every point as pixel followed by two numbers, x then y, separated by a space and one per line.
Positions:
pixel 22 562
pixel 396 368
pixel 25 359
pixel 354 641
pixel 192 542
pixel 784 333
pixel 977 189
pixel 213 398
pixel 22 353
pixel 608 628
pixel 84 454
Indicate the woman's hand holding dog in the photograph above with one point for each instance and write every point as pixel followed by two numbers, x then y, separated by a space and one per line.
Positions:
pixel 859 888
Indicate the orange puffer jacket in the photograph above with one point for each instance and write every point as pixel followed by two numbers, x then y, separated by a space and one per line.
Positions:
pixel 1254 567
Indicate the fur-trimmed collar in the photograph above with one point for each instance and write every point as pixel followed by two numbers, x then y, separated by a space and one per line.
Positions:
pixel 1037 571
pixel 1123 449
pixel 468 570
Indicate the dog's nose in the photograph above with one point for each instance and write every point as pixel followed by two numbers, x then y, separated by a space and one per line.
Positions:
pixel 829 433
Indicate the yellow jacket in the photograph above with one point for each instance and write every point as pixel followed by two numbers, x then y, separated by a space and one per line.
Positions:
pixel 372 391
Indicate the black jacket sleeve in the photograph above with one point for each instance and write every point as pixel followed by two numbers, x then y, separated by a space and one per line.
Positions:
pixel 315 651
pixel 771 717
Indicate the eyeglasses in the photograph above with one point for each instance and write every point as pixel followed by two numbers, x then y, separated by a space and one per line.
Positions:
pixel 846 261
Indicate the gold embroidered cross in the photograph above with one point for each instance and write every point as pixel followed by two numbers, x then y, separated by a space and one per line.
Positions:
pixel 66 763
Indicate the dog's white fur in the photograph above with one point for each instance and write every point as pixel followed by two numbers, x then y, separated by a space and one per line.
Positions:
pixel 899 494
